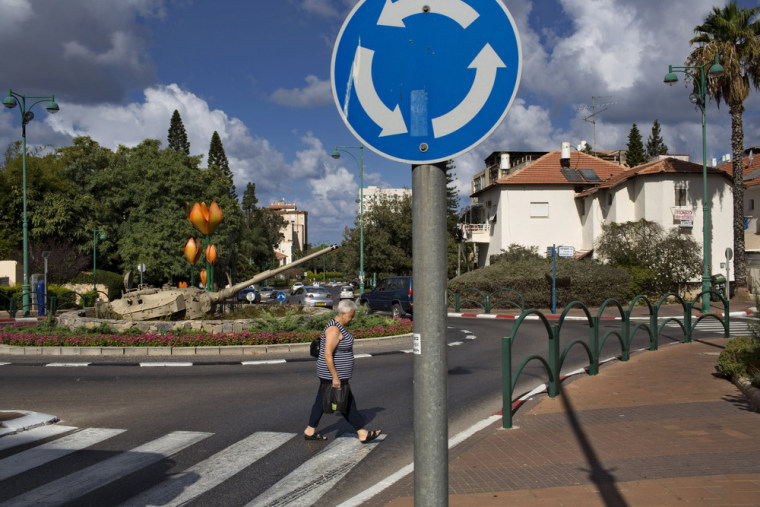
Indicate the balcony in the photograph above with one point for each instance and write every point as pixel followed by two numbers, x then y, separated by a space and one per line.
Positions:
pixel 478 233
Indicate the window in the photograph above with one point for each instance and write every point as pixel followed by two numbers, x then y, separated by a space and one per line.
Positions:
pixel 751 204
pixel 539 210
pixel 680 193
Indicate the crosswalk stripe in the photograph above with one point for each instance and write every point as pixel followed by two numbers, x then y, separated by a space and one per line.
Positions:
pixel 211 472
pixel 86 480
pixel 50 451
pixel 66 365
pixel 168 365
pixel 265 361
pixel 32 435
pixel 309 482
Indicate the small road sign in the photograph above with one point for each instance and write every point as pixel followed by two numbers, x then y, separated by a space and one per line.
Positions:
pixel 422 82
pixel 565 251
pixel 281 296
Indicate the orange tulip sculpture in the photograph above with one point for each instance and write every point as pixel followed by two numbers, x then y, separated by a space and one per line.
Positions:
pixel 206 219
pixel 192 254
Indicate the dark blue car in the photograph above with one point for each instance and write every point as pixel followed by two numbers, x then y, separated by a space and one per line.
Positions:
pixel 392 294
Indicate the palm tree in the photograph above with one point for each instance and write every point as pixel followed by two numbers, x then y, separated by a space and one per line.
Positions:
pixel 731 35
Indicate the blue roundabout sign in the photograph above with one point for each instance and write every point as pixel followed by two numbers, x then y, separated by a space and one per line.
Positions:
pixel 423 81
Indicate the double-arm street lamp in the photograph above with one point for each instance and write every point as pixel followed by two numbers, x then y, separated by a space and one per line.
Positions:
pixel 360 163
pixel 95 236
pixel 12 100
pixel 699 98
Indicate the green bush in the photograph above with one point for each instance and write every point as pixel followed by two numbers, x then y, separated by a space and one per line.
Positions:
pixel 114 282
pixel 739 354
pixel 589 282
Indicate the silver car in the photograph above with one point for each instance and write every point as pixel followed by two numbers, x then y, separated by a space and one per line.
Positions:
pixel 346 292
pixel 311 296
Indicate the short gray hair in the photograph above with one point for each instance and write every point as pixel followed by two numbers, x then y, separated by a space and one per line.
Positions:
pixel 346 306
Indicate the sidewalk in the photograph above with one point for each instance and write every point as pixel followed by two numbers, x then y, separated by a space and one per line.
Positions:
pixel 660 429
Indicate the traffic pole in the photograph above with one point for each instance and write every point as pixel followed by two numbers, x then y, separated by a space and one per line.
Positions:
pixel 431 482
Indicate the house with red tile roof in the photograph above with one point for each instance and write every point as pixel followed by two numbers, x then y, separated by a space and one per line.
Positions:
pixel 563 197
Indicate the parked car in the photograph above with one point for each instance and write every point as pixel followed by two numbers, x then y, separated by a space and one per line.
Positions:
pixel 295 287
pixel 392 294
pixel 268 293
pixel 310 296
pixel 346 292
pixel 243 295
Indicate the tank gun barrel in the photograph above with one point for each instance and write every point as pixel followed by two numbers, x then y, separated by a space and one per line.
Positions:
pixel 231 291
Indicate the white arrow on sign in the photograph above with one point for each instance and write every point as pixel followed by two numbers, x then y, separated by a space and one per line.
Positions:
pixel 486 64
pixel 394 13
pixel 392 122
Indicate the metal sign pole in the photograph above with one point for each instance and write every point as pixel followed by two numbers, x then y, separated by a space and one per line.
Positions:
pixel 430 362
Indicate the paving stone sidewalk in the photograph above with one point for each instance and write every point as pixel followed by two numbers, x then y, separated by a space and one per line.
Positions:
pixel 660 429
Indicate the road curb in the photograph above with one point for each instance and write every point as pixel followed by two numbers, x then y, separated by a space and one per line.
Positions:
pixel 27 421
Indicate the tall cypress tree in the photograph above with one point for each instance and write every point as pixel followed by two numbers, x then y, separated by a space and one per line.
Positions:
pixel 636 154
pixel 217 160
pixel 655 144
pixel 177 135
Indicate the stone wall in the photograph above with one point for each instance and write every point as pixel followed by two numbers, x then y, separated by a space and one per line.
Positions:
pixel 73 320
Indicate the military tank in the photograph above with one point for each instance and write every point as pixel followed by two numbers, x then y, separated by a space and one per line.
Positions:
pixel 184 303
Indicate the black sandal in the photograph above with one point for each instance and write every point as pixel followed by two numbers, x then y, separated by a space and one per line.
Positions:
pixel 314 436
pixel 371 435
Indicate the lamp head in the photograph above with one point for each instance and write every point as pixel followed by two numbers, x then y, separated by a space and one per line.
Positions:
pixel 52 107
pixel 716 70
pixel 694 98
pixel 336 154
pixel 10 101
pixel 670 78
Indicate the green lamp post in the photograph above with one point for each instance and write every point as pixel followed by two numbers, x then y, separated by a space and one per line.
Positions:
pixel 360 163
pixel 95 237
pixel 700 82
pixel 12 100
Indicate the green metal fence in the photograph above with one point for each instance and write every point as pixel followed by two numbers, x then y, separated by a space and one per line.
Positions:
pixel 63 301
pixel 475 298
pixel 592 343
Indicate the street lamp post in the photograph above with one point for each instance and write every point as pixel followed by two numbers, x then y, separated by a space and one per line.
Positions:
pixel 360 163
pixel 12 100
pixel 95 237
pixel 713 69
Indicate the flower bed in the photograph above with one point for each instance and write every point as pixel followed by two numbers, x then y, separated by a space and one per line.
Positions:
pixel 53 339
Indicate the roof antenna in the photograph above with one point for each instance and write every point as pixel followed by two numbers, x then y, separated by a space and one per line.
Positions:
pixel 595 110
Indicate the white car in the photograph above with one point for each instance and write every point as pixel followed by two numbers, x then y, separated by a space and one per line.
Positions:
pixel 295 287
pixel 346 292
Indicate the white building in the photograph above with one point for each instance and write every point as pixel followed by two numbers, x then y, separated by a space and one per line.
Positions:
pixel 373 194
pixel 294 232
pixel 563 197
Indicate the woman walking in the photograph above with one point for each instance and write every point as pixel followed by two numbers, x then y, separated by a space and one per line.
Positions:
pixel 335 366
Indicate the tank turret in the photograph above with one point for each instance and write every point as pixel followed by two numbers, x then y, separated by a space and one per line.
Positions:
pixel 186 303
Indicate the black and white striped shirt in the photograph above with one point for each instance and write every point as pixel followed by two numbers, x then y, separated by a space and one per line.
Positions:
pixel 343 357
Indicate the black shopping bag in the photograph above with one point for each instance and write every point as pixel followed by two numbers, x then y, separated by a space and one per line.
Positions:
pixel 335 399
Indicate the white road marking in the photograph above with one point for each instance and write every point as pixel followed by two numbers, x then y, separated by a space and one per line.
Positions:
pixel 454 344
pixel 309 482
pixel 71 487
pixel 211 472
pixel 3 364
pixel 50 451
pixel 357 356
pixel 470 337
pixel 33 435
pixel 166 364
pixel 408 351
pixel 67 365
pixel 265 361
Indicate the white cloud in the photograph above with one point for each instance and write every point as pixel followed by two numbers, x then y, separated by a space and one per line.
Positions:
pixel 15 12
pixel 316 93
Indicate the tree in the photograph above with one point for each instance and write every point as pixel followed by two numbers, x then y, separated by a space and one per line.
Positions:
pixel 636 154
pixel 177 140
pixel 655 144
pixel 657 262
pixel 730 35
pixel 217 160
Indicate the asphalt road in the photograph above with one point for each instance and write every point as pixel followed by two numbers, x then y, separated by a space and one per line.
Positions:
pixel 226 405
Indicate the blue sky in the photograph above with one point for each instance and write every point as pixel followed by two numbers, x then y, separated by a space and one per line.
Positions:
pixel 258 72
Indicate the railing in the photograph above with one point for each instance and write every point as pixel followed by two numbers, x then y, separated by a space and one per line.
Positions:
pixel 65 300
pixel 593 343
pixel 475 298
